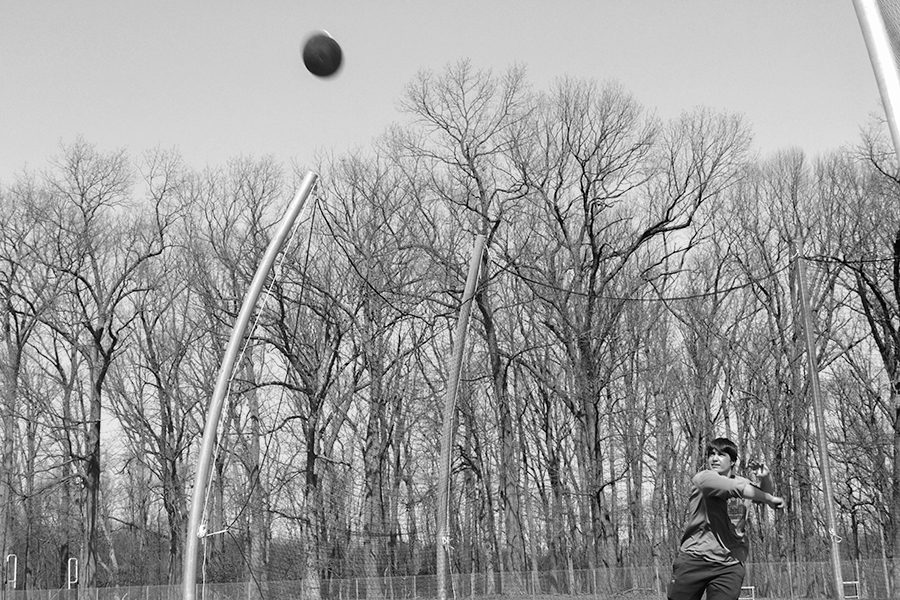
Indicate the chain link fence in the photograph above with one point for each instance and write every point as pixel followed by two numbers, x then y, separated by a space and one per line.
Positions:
pixel 771 580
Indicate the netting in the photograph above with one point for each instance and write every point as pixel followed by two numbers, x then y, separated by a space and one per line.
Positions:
pixel 867 579
pixel 890 14
pixel 302 514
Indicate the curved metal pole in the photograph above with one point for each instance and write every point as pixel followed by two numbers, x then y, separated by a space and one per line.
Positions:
pixel 884 63
pixel 192 539
pixel 443 491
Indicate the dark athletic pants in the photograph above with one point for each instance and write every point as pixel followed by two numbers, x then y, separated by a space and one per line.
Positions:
pixel 691 575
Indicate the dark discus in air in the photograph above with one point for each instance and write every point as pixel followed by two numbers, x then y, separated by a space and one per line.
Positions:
pixel 322 54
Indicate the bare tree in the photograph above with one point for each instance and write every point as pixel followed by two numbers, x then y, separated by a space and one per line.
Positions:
pixel 101 251
pixel 26 290
pixel 304 327
pixel 157 402
pixel 468 119
pixel 613 192
pixel 370 214
pixel 862 194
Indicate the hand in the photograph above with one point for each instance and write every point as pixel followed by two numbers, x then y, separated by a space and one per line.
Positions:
pixel 759 468
pixel 777 502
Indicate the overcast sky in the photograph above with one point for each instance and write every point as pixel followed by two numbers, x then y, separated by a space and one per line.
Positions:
pixel 218 79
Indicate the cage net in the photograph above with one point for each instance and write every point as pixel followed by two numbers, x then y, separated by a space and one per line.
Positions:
pixel 890 14
pixel 303 504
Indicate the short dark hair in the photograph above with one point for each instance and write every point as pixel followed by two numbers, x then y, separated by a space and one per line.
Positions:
pixel 723 444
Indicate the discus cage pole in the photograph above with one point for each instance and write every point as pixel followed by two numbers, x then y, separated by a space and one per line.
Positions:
pixel 878 29
pixel 214 412
pixel 443 490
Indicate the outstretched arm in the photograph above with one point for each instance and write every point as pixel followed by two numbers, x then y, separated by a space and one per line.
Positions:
pixel 711 483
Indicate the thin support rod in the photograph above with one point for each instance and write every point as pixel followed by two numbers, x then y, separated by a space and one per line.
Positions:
pixel 824 462
pixel 214 412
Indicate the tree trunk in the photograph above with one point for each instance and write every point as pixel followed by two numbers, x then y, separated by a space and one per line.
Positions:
pixel 375 461
pixel 9 387
pixel 895 484
pixel 311 540
pixel 513 553
pixel 258 534
pixel 90 477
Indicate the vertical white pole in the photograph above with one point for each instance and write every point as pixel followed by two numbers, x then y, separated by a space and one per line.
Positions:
pixel 443 490
pixel 204 459
pixel 9 576
pixel 12 562
pixel 71 572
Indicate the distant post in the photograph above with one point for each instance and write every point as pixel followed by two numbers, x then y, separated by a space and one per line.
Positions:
pixel 71 572
pixel 10 569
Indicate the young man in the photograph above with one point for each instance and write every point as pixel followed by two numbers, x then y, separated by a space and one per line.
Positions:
pixel 714 547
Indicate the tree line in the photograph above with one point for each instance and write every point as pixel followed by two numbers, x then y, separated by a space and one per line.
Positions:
pixel 637 298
